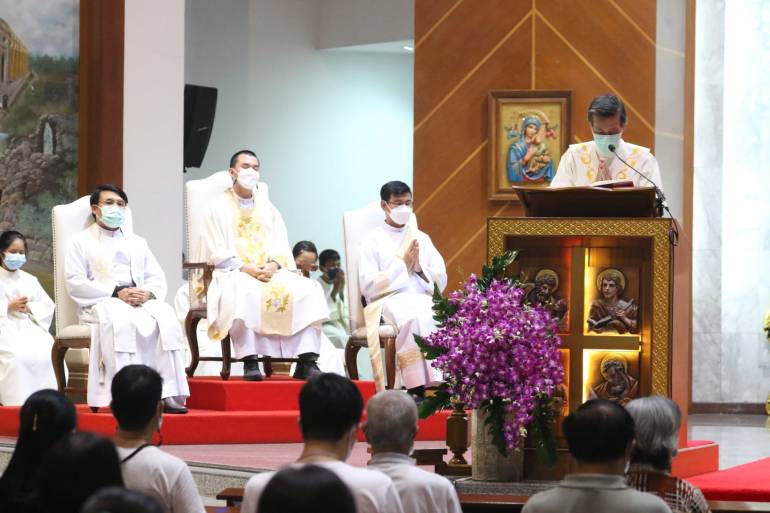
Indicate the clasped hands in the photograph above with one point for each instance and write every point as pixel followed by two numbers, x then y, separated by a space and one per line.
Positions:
pixel 19 304
pixel 134 296
pixel 261 272
pixel 412 257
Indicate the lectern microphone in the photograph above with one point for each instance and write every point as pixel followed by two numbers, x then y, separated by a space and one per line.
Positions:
pixel 673 234
pixel 658 191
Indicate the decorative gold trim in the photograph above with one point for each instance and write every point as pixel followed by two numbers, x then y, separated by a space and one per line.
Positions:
pixel 655 229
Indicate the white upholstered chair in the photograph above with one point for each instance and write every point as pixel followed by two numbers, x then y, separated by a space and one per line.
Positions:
pixel 356 225
pixel 197 194
pixel 67 221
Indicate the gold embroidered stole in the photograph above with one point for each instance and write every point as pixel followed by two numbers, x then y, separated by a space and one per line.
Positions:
pixel 589 161
pixel 277 300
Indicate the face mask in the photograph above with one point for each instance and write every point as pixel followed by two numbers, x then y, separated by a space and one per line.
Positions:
pixel 401 214
pixel 112 216
pixel 603 143
pixel 248 178
pixel 14 261
pixel 332 273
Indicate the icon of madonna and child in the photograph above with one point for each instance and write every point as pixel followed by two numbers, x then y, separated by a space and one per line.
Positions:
pixel 529 160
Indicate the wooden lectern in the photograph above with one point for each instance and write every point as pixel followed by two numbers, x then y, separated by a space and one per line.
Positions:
pixel 603 262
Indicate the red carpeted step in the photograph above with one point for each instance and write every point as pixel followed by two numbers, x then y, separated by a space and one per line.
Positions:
pixel 217 427
pixel 749 482
pixel 272 394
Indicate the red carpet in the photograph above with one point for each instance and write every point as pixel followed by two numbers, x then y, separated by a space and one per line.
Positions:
pixel 749 482
pixel 229 412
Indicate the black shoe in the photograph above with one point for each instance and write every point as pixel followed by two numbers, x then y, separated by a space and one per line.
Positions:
pixel 251 370
pixel 307 366
pixel 171 406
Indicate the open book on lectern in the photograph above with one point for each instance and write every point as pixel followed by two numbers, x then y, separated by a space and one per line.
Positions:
pixel 609 201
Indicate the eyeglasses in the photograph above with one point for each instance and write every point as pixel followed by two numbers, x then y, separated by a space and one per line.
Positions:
pixel 110 203
pixel 408 203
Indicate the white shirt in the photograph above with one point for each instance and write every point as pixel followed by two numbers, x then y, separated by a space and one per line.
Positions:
pixel 163 477
pixel 373 491
pixel 420 491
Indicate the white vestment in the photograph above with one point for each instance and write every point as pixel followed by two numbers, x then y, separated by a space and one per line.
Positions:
pixel 280 318
pixel 372 491
pixel 336 327
pixel 579 166
pixel 420 491
pixel 163 477
pixel 329 359
pixel 98 261
pixel 25 344
pixel 405 297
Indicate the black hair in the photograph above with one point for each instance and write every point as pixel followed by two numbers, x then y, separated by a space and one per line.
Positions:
pixel 304 245
pixel 113 499
pixel 136 392
pixel 329 405
pixel 326 255
pixel 599 431
pixel 107 187
pixel 234 158
pixel 7 238
pixel 46 417
pixel 607 106
pixel 394 188
pixel 307 489
pixel 75 468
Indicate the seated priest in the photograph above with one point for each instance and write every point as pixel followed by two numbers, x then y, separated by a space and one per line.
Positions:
pixel 119 285
pixel 398 268
pixel 597 160
pixel 256 293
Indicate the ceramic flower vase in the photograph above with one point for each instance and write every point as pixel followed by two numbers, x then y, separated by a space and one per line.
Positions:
pixel 488 463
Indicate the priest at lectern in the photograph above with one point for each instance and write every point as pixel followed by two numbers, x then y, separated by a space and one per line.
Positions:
pixel 601 160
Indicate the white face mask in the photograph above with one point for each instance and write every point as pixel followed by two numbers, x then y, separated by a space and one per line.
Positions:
pixel 248 178
pixel 401 214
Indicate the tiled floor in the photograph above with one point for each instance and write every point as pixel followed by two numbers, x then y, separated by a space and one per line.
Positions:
pixel 741 438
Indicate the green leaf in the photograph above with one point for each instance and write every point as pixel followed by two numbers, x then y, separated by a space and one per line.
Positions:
pixel 541 433
pixel 495 420
pixel 496 269
pixel 433 403
pixel 443 309
pixel 428 351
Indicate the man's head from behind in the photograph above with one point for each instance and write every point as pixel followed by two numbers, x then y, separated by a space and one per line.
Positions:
pixel 599 432
pixel 330 408
pixel 391 422
pixel 136 398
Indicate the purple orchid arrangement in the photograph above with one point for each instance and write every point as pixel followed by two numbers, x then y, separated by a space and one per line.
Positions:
pixel 497 354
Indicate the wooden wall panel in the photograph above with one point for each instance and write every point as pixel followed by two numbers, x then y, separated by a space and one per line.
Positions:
pixel 101 93
pixel 467 47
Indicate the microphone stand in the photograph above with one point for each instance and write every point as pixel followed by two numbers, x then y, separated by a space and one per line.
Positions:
pixel 673 234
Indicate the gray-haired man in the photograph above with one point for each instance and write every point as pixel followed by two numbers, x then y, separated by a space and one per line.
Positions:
pixel 391 425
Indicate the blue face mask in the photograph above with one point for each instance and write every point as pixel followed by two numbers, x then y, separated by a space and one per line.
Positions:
pixel 14 261
pixel 603 143
pixel 112 216
pixel 332 273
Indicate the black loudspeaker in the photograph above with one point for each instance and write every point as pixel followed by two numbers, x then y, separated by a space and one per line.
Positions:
pixel 200 105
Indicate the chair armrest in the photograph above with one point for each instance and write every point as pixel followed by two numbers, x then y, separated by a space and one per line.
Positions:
pixel 208 271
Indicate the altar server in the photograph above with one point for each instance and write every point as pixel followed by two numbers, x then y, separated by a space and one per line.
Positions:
pixel 332 282
pixel 256 293
pixel 593 161
pixel 398 268
pixel 25 316
pixel 117 282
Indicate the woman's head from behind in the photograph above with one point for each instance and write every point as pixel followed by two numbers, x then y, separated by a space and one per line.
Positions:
pixel 75 468
pixel 306 489
pixel 46 417
pixel 657 420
